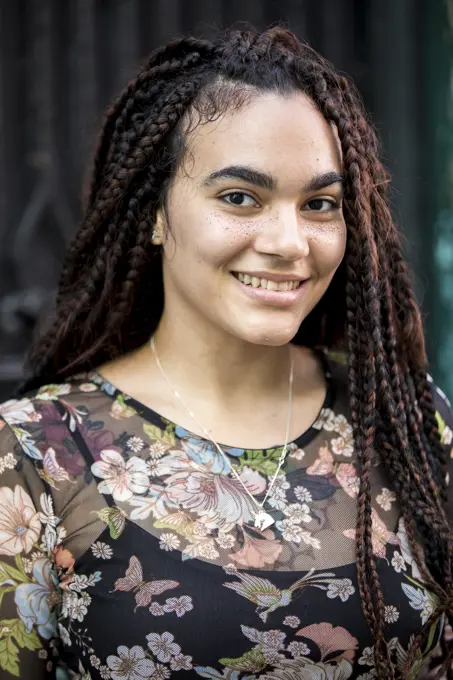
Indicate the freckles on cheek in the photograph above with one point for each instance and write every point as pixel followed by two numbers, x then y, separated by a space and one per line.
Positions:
pixel 229 234
pixel 329 242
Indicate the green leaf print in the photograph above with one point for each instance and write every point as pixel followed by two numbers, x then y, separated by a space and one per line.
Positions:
pixel 115 520
pixel 265 462
pixel 166 436
pixel 9 655
pixel 23 638
pixel 254 661
pixel 8 572
pixel 440 423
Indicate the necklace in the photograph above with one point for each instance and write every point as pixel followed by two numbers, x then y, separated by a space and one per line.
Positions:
pixel 262 518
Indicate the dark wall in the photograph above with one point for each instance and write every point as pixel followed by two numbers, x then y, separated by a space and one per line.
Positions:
pixel 62 61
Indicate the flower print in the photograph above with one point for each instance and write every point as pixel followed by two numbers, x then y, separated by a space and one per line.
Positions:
pixel 297 512
pixel 272 639
pixel 370 675
pixel 157 450
pixel 162 646
pixel 367 658
pixel 35 600
pixel 104 672
pixel 302 494
pixel 398 562
pixel 20 525
pixel 64 635
pixel 16 411
pixel 169 541
pixel 326 420
pixel 76 608
pixel 95 661
pixel 342 446
pixel 292 621
pixel 179 605
pixel 7 462
pixel 343 427
pixel 447 436
pixel 130 664
pixel 161 672
pixel 385 499
pixel 135 444
pixel 207 550
pixel 87 387
pixel 277 497
pixel 291 532
pixel 121 479
pixel 102 550
pixel 153 468
pixel 252 479
pixel 391 614
pixel 298 649
pixel 180 662
pixel 225 541
pixel 341 588
pixel 208 493
pixel 420 600
pixel 156 609
pixel 296 453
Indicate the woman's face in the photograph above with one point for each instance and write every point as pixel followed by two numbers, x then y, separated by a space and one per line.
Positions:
pixel 256 223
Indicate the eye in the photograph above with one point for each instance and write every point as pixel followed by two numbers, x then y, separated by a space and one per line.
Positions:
pixel 239 199
pixel 322 204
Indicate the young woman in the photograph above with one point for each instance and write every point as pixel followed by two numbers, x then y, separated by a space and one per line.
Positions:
pixel 229 461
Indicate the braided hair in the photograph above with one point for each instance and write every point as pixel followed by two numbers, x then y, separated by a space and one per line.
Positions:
pixel 110 298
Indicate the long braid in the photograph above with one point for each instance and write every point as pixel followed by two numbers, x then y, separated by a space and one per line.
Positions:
pixel 107 287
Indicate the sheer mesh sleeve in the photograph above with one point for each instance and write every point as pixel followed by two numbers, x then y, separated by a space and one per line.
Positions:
pixel 28 581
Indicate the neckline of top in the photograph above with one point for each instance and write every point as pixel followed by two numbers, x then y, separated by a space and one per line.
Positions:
pixel 155 418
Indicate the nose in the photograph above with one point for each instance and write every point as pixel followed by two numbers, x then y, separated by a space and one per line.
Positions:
pixel 283 235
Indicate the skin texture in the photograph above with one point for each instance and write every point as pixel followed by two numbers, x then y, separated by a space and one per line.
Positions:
pixel 213 338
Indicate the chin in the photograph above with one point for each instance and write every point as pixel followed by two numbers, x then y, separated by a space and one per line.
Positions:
pixel 269 336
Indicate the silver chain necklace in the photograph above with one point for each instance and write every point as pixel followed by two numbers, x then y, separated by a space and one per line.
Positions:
pixel 262 518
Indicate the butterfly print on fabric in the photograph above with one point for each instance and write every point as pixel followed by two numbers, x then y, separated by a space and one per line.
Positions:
pixel 144 590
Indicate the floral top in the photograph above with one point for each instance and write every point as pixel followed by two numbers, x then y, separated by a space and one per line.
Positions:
pixel 128 548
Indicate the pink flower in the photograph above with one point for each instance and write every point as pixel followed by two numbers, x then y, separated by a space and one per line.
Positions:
pixel 20 525
pixel 121 479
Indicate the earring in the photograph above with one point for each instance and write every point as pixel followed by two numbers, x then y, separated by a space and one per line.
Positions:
pixel 156 238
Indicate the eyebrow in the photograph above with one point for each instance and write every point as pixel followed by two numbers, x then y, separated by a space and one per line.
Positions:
pixel 268 181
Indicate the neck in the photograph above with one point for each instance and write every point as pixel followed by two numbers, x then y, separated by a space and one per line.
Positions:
pixel 231 370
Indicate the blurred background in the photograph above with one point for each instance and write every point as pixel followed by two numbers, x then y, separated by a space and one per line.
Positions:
pixel 62 61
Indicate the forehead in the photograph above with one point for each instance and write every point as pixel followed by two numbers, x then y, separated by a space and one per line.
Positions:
pixel 284 135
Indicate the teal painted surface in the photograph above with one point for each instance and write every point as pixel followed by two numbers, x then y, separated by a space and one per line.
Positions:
pixel 439 151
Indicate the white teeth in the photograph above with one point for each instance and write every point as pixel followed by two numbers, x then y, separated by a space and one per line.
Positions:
pixel 255 282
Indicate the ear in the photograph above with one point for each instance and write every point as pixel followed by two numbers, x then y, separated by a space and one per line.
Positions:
pixel 157 237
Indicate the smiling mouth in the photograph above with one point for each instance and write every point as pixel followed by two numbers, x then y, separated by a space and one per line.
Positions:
pixel 266 284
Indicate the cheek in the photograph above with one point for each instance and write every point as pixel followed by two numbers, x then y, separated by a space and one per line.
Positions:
pixel 328 246
pixel 219 240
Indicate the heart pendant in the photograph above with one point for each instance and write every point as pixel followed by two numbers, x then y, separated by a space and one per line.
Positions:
pixel 263 520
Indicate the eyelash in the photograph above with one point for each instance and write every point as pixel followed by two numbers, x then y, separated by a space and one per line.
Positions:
pixel 334 205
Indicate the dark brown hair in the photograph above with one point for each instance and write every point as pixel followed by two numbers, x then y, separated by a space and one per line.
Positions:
pixel 110 294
